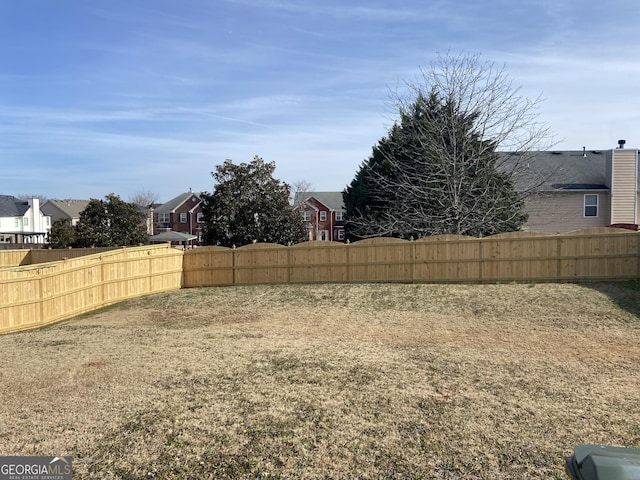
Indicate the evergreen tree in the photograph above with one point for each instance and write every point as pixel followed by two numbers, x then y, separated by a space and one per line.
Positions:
pixel 62 234
pixel 248 205
pixel 438 170
pixel 109 223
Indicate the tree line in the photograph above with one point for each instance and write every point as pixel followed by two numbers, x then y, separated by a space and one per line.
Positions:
pixel 437 171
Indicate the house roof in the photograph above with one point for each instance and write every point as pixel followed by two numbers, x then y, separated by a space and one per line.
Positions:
pixel 172 237
pixel 558 170
pixel 10 206
pixel 174 203
pixel 332 200
pixel 70 208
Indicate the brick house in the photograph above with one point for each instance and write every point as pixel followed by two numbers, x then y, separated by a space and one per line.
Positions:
pixel 323 214
pixel 181 214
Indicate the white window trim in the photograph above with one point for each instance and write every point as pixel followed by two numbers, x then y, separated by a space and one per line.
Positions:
pixel 585 205
pixel 323 216
pixel 185 216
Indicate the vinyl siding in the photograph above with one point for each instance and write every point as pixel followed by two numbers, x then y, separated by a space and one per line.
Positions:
pixel 624 181
pixel 564 212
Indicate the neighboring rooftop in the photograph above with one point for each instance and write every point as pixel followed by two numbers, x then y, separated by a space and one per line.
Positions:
pixel 70 208
pixel 10 206
pixel 558 170
pixel 174 203
pixel 333 200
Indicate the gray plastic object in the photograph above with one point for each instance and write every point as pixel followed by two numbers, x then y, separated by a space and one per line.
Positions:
pixel 600 462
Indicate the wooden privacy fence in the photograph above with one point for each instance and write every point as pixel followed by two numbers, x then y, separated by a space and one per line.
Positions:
pixel 585 256
pixel 38 294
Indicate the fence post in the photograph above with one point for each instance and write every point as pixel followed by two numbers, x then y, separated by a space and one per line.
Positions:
pixel 413 262
pixel 233 265
pixel 481 260
pixel 559 261
pixel 347 263
pixel 289 263
pixel 41 296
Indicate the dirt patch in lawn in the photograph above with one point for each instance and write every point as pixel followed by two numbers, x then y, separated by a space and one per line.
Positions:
pixel 330 381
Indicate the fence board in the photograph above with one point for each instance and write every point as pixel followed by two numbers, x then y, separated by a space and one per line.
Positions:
pixel 13 258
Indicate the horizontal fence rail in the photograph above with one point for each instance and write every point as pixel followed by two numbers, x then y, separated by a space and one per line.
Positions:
pixel 39 294
pixel 37 288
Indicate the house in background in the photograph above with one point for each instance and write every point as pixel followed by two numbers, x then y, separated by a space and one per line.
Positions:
pixel 323 214
pixel 181 214
pixel 64 210
pixel 22 221
pixel 573 190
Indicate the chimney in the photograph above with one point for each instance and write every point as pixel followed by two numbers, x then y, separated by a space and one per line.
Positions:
pixel 621 143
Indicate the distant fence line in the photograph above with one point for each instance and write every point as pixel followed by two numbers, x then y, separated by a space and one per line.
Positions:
pixel 585 256
pixel 71 282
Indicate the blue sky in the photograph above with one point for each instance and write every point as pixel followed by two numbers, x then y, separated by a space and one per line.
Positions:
pixel 123 96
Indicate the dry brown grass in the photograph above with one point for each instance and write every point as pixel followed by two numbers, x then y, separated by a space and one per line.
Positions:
pixel 330 381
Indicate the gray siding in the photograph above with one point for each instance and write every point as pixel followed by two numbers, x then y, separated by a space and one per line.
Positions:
pixel 564 212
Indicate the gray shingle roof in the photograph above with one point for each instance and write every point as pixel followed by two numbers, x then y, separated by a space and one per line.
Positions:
pixel 174 203
pixel 333 200
pixel 10 206
pixel 70 208
pixel 558 170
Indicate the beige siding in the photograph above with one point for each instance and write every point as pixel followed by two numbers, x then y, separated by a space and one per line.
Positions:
pixel 564 212
pixel 624 186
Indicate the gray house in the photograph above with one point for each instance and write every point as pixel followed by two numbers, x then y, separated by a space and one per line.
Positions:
pixel 64 209
pixel 573 190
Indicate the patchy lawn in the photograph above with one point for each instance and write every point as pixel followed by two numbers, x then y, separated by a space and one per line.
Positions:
pixel 330 381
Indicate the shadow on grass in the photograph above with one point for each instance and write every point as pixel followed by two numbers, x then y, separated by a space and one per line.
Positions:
pixel 625 295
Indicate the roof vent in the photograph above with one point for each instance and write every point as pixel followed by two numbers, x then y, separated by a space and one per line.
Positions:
pixel 621 143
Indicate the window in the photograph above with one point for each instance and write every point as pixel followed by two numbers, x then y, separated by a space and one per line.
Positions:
pixel 183 218
pixel 340 234
pixel 339 216
pixel 200 217
pixel 591 205
pixel 324 235
pixel 306 216
pixel 25 222
pixel 323 216
pixel 163 218
pixel 17 222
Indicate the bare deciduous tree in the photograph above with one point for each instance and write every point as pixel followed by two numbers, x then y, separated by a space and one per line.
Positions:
pixel 298 188
pixel 439 170
pixel 144 198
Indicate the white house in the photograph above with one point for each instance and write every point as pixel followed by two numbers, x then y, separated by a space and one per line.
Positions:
pixel 22 221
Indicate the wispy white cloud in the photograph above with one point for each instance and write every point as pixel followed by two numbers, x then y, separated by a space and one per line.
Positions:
pixel 154 94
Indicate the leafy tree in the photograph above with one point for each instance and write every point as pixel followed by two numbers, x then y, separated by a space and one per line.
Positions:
pixel 438 170
pixel 110 222
pixel 249 205
pixel 62 234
